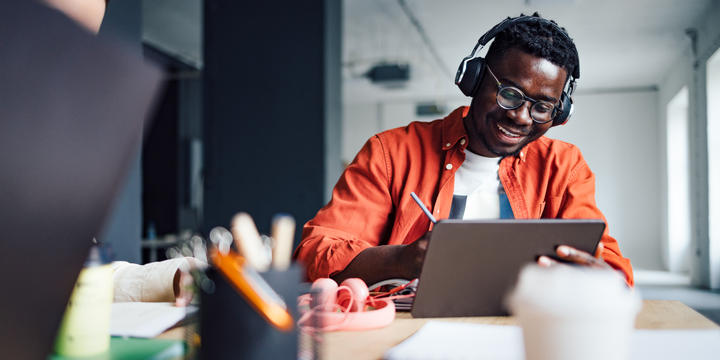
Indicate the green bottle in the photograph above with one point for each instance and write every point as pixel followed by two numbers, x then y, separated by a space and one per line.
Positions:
pixel 85 328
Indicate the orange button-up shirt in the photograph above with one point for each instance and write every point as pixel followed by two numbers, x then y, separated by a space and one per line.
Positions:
pixel 371 203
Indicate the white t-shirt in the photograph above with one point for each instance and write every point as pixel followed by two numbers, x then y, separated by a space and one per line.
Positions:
pixel 476 188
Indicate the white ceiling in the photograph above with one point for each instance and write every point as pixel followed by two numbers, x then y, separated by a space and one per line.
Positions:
pixel 622 43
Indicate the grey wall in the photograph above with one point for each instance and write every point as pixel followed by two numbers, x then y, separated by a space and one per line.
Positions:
pixel 618 135
pixel 123 228
pixel 266 108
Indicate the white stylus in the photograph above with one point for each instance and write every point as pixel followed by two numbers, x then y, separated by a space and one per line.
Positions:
pixel 424 209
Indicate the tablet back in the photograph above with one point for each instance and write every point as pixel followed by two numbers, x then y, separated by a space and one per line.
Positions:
pixel 471 265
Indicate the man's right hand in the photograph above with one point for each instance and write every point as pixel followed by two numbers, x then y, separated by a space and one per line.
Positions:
pixel 411 257
pixel 384 262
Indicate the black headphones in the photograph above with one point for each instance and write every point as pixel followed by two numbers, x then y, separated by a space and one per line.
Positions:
pixel 471 70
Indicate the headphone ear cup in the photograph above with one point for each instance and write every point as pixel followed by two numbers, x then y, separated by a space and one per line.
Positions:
pixel 567 110
pixel 472 77
pixel 325 290
pixel 352 293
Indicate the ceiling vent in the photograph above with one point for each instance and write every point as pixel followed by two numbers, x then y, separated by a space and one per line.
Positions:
pixel 389 75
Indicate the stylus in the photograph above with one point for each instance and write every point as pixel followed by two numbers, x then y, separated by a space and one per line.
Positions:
pixel 422 206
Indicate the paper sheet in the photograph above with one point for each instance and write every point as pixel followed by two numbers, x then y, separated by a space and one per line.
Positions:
pixel 145 319
pixel 455 340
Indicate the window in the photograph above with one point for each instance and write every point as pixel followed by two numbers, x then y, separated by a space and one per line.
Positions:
pixel 713 133
pixel 678 249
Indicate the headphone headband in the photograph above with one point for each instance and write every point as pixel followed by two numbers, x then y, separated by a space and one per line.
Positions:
pixel 500 27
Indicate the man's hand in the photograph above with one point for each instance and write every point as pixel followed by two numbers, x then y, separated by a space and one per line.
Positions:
pixel 576 256
pixel 384 262
pixel 411 256
pixel 183 282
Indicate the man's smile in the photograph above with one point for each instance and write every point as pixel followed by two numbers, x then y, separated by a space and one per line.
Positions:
pixel 510 136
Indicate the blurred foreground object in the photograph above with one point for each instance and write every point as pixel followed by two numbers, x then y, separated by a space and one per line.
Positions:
pixel 71 119
pixel 85 328
pixel 569 312
pixel 88 13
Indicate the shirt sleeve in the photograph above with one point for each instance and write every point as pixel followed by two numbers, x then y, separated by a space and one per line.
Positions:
pixel 579 203
pixel 151 282
pixel 357 217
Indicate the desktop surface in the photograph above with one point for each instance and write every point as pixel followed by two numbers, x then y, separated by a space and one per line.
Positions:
pixel 372 344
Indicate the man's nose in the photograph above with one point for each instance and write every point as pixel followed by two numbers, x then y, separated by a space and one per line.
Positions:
pixel 521 115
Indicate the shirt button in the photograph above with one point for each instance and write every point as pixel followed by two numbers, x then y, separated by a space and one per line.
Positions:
pixel 521 154
pixel 447 145
pixel 448 166
pixel 462 141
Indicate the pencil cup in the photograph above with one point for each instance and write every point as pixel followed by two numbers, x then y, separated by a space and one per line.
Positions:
pixel 231 328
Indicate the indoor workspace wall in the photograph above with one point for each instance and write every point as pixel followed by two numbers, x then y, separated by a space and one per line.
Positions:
pixel 617 133
pixel 690 70
pixel 272 102
pixel 124 226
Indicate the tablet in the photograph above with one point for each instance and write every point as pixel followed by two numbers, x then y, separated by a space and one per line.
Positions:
pixel 469 266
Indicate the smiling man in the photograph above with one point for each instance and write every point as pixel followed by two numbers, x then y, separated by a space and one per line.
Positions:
pixel 488 161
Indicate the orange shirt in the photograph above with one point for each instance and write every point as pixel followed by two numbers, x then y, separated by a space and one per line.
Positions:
pixel 371 203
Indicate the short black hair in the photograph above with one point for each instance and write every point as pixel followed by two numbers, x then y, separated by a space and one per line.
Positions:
pixel 538 38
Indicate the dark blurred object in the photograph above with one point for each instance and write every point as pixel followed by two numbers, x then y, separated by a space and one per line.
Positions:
pixel 230 328
pixel 71 118
pixel 389 75
pixel 430 109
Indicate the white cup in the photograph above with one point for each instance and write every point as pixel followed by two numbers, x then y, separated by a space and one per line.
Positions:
pixel 569 312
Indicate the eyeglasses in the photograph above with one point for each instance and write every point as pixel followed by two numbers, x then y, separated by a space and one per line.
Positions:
pixel 510 98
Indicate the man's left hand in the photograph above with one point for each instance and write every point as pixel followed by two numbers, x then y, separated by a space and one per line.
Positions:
pixel 576 256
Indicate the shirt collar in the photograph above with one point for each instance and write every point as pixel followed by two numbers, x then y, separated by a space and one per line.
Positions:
pixel 454 131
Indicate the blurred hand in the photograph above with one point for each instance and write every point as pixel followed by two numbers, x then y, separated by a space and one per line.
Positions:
pixel 576 256
pixel 183 283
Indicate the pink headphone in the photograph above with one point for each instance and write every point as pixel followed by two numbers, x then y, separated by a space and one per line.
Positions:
pixel 330 307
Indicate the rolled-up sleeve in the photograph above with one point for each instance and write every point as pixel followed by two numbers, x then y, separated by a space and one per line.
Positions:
pixel 357 217
pixel 151 282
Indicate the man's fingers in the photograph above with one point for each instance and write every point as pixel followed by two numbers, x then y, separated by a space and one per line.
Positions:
pixel 579 257
pixel 545 261
pixel 599 250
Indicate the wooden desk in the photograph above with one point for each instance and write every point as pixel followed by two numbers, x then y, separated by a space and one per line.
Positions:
pixel 372 344
pixel 655 314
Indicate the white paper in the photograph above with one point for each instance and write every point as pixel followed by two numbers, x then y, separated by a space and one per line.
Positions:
pixel 676 344
pixel 145 319
pixel 457 340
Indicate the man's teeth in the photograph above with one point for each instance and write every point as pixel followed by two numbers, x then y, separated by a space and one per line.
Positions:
pixel 507 132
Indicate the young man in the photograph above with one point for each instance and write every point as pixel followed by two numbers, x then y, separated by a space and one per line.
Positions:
pixel 486 161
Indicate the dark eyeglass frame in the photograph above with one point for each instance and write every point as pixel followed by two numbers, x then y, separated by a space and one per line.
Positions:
pixel 533 102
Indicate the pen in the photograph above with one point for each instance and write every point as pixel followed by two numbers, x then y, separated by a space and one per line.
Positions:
pixel 422 206
pixel 283 232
